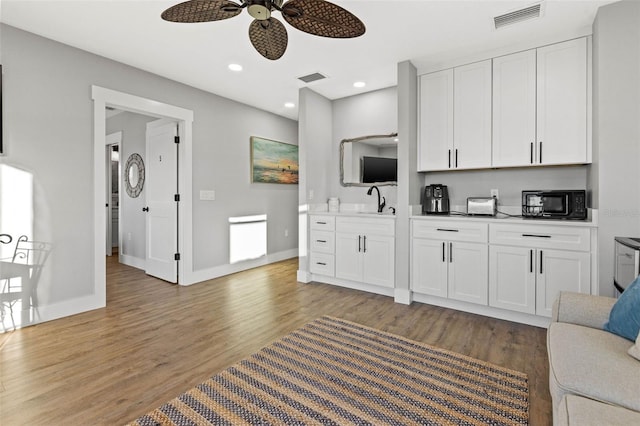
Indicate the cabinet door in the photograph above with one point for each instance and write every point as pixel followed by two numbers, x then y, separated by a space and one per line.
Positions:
pixel 472 116
pixel 436 121
pixel 514 109
pixel 512 278
pixel 429 267
pixel 562 103
pixel 560 271
pixel 379 260
pixel 348 257
pixel 468 272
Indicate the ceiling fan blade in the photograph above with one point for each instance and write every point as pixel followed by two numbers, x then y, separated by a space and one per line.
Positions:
pixel 269 37
pixel 322 18
pixel 202 11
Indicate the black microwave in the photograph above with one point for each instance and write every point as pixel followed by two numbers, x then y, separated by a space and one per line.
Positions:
pixel 555 204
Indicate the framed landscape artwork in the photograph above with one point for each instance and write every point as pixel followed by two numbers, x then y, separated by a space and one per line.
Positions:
pixel 273 161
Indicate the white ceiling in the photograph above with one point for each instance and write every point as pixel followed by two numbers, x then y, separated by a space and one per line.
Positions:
pixel 429 33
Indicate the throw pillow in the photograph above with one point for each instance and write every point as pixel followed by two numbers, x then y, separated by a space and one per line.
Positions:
pixel 635 349
pixel 624 319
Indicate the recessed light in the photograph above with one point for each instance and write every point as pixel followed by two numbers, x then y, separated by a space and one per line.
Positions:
pixel 235 67
pixel 289 105
pixel 359 84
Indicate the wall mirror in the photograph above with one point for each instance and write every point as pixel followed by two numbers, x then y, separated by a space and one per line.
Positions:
pixel 369 160
pixel 134 175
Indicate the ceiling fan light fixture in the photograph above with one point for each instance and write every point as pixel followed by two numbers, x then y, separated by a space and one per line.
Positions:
pixel 260 9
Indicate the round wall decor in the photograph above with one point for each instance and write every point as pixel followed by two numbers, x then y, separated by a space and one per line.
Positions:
pixel 134 175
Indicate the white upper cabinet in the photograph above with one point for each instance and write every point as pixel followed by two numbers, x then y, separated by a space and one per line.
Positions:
pixel 472 116
pixel 455 118
pixel 514 109
pixel 525 109
pixel 436 121
pixel 562 103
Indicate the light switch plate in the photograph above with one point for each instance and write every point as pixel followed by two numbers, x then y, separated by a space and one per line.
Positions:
pixel 207 195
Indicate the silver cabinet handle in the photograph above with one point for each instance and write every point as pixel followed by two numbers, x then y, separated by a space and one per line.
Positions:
pixel 447 230
pixel 450 252
pixel 443 255
pixel 359 243
pixel 541 262
pixel 321 263
pixel 321 223
pixel 536 236
pixel 456 158
pixel 364 247
pixel 321 241
pixel 449 158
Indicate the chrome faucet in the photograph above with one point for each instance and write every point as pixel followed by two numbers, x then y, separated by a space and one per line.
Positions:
pixel 384 201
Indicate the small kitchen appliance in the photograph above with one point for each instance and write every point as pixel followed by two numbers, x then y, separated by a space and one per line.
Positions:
pixel 555 204
pixel 435 199
pixel 627 262
pixel 482 206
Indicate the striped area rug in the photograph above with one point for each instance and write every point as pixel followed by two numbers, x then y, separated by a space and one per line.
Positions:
pixel 332 371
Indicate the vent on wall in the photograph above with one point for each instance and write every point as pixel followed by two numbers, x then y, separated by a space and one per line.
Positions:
pixel 312 77
pixel 530 12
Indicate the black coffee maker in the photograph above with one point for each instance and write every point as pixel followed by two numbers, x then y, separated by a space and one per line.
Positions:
pixel 435 199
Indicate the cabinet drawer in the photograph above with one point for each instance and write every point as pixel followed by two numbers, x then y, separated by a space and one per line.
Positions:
pixel 366 225
pixel 544 237
pixel 322 263
pixel 450 231
pixel 323 223
pixel 323 241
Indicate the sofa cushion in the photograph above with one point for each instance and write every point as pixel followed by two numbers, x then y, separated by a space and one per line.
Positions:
pixel 624 319
pixel 578 411
pixel 592 363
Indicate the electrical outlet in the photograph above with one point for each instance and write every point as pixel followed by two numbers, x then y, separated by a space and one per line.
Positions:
pixel 311 194
pixel 207 195
pixel 494 193
pixel 286 232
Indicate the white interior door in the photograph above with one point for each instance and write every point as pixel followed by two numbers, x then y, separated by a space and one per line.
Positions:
pixel 161 183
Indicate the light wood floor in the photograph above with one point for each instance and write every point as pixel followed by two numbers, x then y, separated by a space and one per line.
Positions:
pixel 155 340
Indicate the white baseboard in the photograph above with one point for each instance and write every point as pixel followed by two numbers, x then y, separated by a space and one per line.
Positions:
pixel 219 271
pixel 369 288
pixel 483 310
pixel 132 261
pixel 403 296
pixel 66 308
pixel 304 276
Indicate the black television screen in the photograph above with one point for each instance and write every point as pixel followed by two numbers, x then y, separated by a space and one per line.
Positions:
pixel 379 169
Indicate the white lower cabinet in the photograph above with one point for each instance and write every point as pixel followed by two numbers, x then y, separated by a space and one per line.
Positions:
pixel 365 251
pixel 452 266
pixel 359 249
pixel 519 267
pixel 528 278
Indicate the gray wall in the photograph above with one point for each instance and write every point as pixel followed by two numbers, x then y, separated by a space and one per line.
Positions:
pixel 371 113
pixel 132 219
pixel 616 129
pixel 509 182
pixel 48 129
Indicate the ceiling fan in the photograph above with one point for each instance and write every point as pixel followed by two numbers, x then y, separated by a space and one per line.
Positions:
pixel 267 34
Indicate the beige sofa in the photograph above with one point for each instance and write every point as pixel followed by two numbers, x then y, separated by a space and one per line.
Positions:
pixel 592 378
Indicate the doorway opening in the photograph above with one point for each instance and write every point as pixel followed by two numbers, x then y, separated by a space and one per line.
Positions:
pixel 104 98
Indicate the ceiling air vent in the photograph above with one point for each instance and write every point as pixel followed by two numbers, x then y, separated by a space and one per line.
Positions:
pixel 312 77
pixel 516 16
